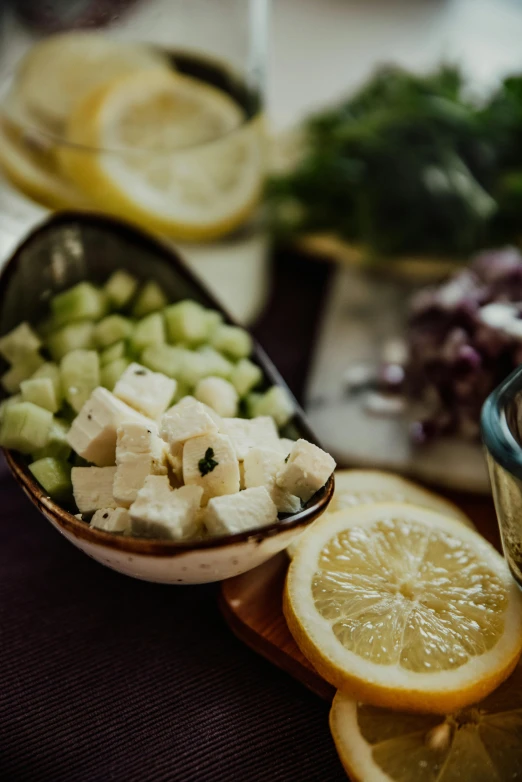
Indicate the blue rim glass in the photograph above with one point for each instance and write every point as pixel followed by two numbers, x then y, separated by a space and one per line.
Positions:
pixel 499 424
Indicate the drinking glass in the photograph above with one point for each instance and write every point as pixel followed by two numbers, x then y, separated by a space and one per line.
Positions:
pixel 150 110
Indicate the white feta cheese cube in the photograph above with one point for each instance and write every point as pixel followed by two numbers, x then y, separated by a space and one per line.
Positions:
pixel 210 462
pixel 149 392
pixel 218 394
pixel 261 468
pixel 139 452
pixel 93 432
pixel 286 445
pixel 189 401
pixel 162 512
pixel 233 513
pixel 92 488
pixel 112 520
pixel 192 420
pixel 306 470
pixel 250 433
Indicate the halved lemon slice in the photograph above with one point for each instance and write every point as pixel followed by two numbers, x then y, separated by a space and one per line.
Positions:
pixel 168 151
pixel 364 487
pixel 32 169
pixel 361 487
pixel 404 608
pixel 479 744
pixel 58 72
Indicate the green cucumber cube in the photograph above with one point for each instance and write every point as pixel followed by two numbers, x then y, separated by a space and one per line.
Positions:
pixel 214 319
pixel 51 371
pixel 11 400
pixel 22 371
pixel 276 402
pixel 215 363
pixel 20 342
pixel 251 401
pixel 112 329
pixel 57 445
pixel 245 376
pixel 120 288
pixel 187 323
pixel 53 475
pixel 148 331
pixel 233 341
pixel 40 391
pixel 75 336
pixel 83 301
pixel 182 390
pixel 164 358
pixel 118 350
pixel 150 299
pixel 25 427
pixel 111 373
pixel 80 370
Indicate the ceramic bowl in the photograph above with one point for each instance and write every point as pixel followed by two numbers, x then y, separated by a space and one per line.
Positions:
pixel 71 247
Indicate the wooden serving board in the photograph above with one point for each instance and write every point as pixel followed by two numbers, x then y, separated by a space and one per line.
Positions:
pixel 252 604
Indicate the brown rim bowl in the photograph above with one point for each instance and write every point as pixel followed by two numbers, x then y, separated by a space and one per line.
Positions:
pixel 71 247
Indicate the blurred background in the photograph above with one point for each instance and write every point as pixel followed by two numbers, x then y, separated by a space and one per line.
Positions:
pixel 326 166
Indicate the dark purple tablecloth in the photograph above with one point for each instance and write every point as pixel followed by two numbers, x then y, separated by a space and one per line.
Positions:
pixel 106 678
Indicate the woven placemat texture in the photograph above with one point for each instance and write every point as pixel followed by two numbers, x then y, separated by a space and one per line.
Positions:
pixel 103 677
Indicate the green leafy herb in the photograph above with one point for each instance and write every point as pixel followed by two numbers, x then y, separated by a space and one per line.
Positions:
pixel 409 165
pixel 208 463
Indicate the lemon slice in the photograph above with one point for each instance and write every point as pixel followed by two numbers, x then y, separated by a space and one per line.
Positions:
pixel 404 608
pixel 58 72
pixel 479 744
pixel 361 487
pixel 168 151
pixel 32 169
pixel 364 487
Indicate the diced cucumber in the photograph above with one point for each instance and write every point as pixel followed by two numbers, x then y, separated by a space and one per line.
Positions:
pixel 22 371
pixel 233 341
pixel 150 299
pixel 112 329
pixel 80 371
pixel 193 368
pixel 40 391
pixel 52 371
pixel 75 336
pixel 120 288
pixel 83 301
pixel 118 350
pixel 277 403
pixel 54 476
pixel 187 323
pixel 250 403
pixel 57 445
pixel 215 363
pixel 111 373
pixel 164 358
pixel 245 376
pixel 182 389
pixel 214 319
pixel 20 342
pixel 5 403
pixel 148 331
pixel 25 427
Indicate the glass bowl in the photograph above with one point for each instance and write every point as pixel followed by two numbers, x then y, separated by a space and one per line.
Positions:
pixel 501 426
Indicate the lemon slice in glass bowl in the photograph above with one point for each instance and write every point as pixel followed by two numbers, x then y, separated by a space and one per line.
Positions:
pixel 168 151
pixel 58 72
pixel 404 608
pixel 31 167
pixel 482 743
